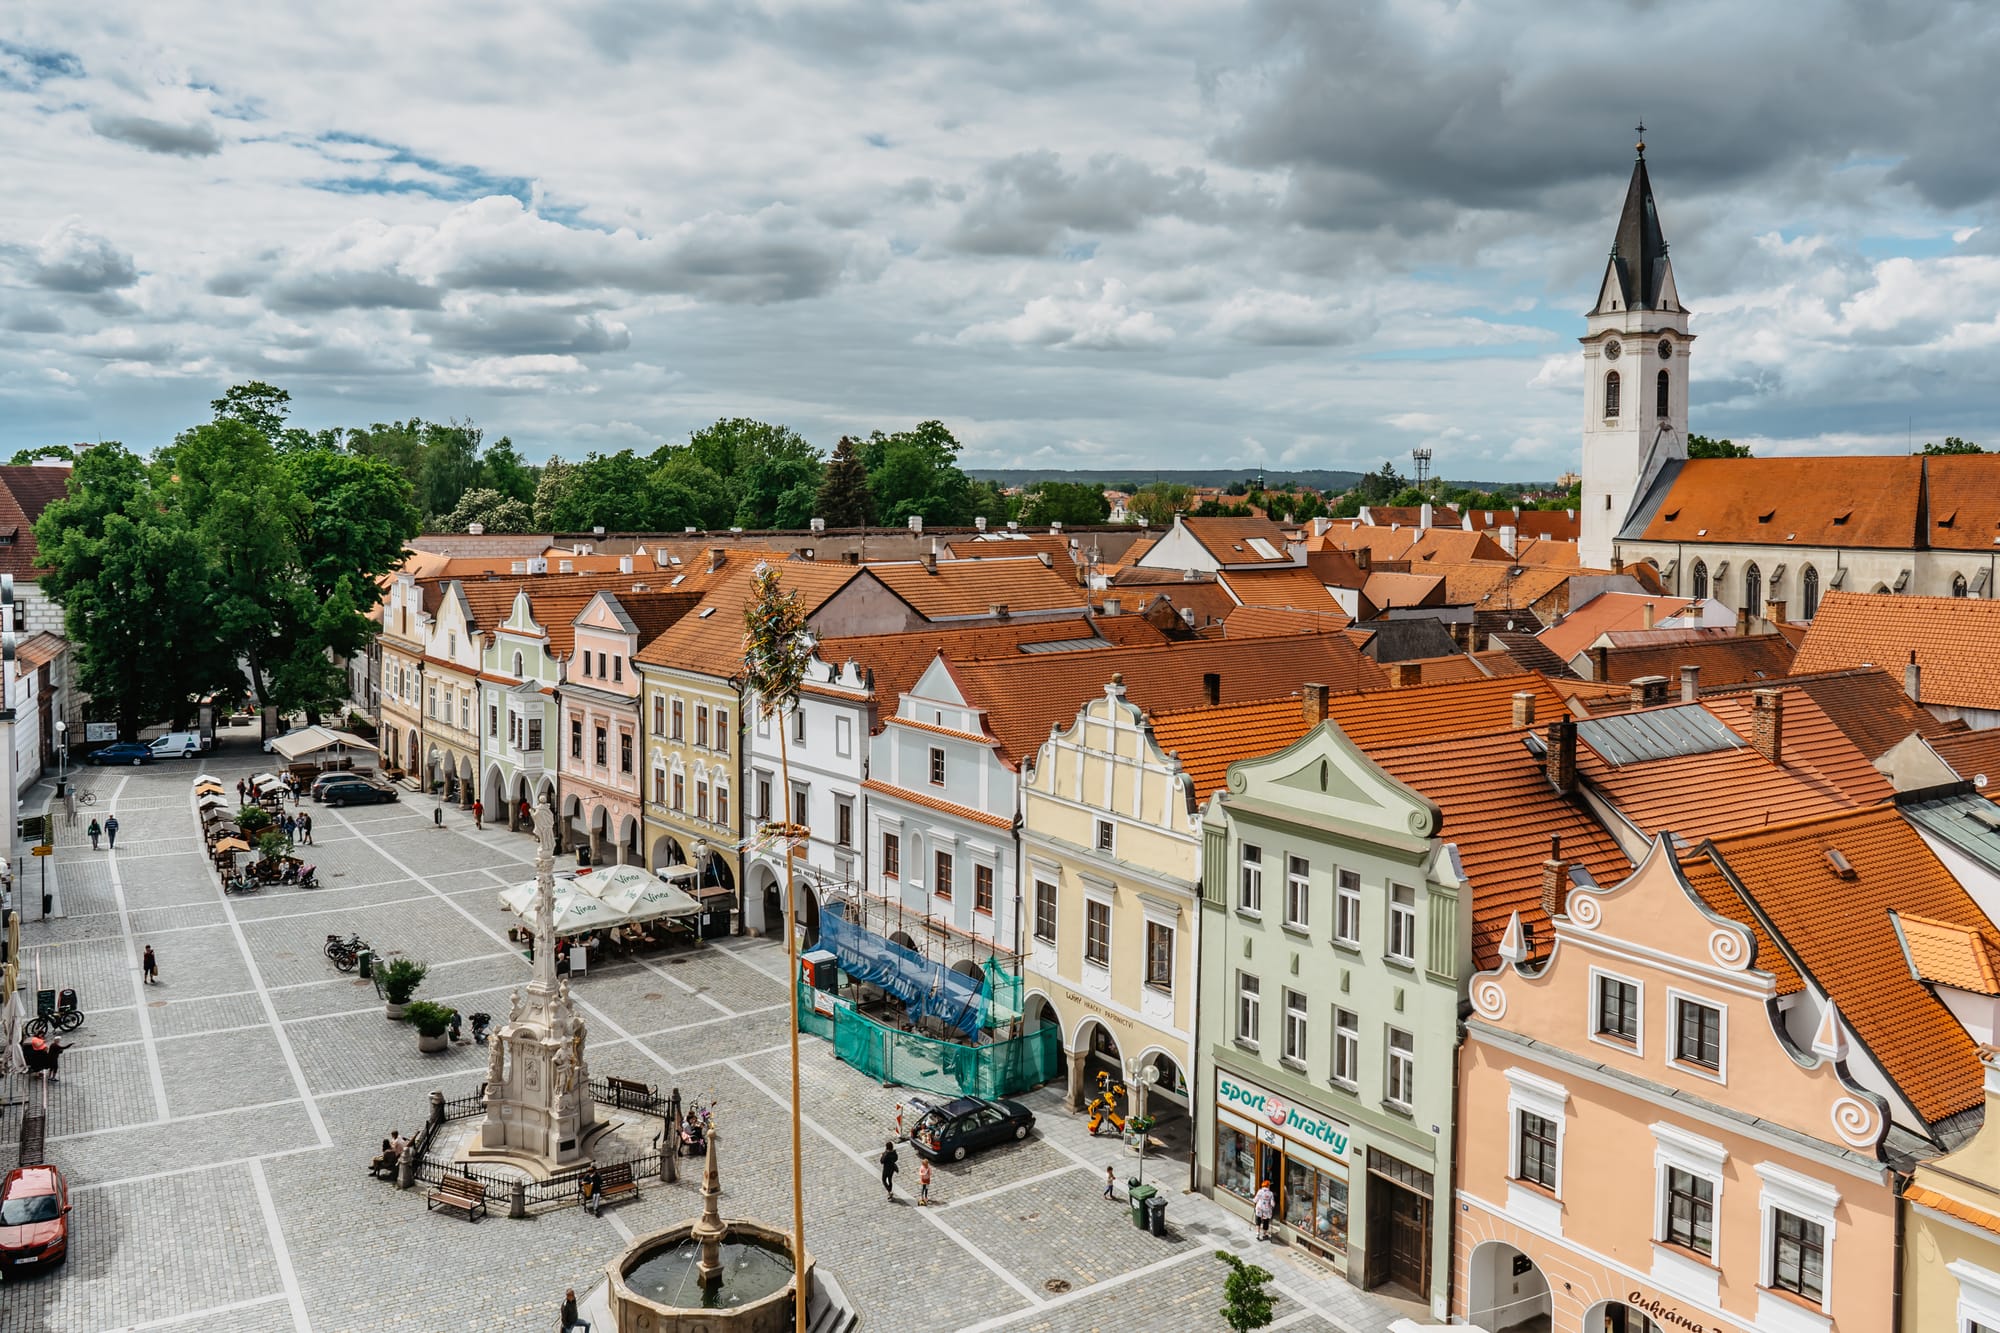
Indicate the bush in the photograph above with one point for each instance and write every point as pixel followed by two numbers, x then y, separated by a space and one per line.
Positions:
pixel 253 818
pixel 400 978
pixel 430 1018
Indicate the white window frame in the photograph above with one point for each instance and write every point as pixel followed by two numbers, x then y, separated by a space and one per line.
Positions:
pixel 1105 836
pixel 1347 906
pixel 1978 1295
pixel 1806 1198
pixel 1349 1035
pixel 1249 1009
pixel 1298 892
pixel 1055 911
pixel 1250 872
pixel 1407 1102
pixel 1546 1098
pixel 843 736
pixel 1637 1046
pixel 1675 998
pixel 1406 916
pixel 1296 1007
pixel 1091 900
pixel 1159 921
pixel 936 769
pixel 1674 1147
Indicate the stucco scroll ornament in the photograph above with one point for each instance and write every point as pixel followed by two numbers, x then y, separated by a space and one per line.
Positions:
pixel 1237 782
pixel 1728 948
pixel 1420 823
pixel 1584 910
pixel 1489 997
pixel 1856 1122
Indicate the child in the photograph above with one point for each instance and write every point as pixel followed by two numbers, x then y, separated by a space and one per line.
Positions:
pixel 924 1182
pixel 1110 1178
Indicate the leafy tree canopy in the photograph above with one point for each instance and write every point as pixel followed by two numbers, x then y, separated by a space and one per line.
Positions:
pixel 1065 502
pixel 1952 445
pixel 1701 446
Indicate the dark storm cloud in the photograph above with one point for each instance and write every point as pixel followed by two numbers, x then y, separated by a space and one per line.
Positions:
pixel 1028 203
pixel 176 139
pixel 350 289
pixel 75 259
pixel 518 332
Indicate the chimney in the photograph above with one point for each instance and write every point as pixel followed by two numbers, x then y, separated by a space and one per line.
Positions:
pixel 1363 557
pixel 1320 525
pixel 817 525
pixel 1690 683
pixel 979 522
pixel 1555 881
pixel 1560 760
pixel 475 529
pixel 1767 723
pixel 624 564
pixel 851 557
pixel 1055 527
pixel 1461 634
pixel 930 561
pixel 1913 679
pixel 1510 539
pixel 1113 606
pixel 998 610
pixel 1617 564
pixel 1646 616
pixel 1600 664
pixel 1524 708
pixel 1649 691
pixel 1774 611
pixel 917 524
pixel 1743 620
pixel 1425 516
pixel 1211 688
pixel 1405 674
pixel 1312 702
pixel 716 558
pixel 1048 560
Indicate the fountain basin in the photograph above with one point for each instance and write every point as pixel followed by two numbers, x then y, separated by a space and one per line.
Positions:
pixel 655 1286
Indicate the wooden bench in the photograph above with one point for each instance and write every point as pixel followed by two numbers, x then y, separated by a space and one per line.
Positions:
pixel 623 1088
pixel 618 1180
pixel 460 1192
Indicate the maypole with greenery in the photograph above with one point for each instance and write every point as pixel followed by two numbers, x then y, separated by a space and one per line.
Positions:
pixel 775 652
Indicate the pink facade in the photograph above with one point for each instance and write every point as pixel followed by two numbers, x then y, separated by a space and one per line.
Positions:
pixel 1643 1146
pixel 599 738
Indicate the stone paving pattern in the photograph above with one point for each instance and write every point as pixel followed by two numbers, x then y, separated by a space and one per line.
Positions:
pixel 216 1128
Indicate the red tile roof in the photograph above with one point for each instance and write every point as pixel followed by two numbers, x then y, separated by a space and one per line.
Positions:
pixel 1810 741
pixel 25 491
pixel 1958 1208
pixel 1866 703
pixel 1708 795
pixel 1956 641
pixel 956 589
pixel 1607 611
pixel 1724 659
pixel 1844 501
pixel 1285 587
pixel 1838 929
pixel 709 641
pixel 1558 525
pixel 1254 622
pixel 1963 957
pixel 1962 494
pixel 944 807
pixel 1228 539
pixel 1383 591
pixel 1973 755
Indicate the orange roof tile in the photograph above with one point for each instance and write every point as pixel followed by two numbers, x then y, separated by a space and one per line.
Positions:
pixel 1251 622
pixel 1719 896
pixel 1607 611
pixel 1963 957
pixel 1707 795
pixel 1724 659
pixel 1866 703
pixel 1229 540
pixel 1025 696
pixel 1557 525
pixel 1419 546
pixel 1548 554
pixel 958 589
pixel 1835 500
pixel 1384 591
pixel 1956 640
pixel 26 489
pixel 1958 1208
pixel 1809 741
pixel 709 640
pixel 1962 494
pixel 1378 719
pixel 1284 587
pixel 1973 755
pixel 1495 584
pixel 930 802
pixel 1839 932
pixel 1500 811
pixel 1410 515
pixel 1017 546
pixel 1208 740
pixel 1210 602
pixel 38 650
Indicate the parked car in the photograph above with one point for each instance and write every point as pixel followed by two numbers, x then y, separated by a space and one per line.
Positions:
pixel 358 793
pixel 123 752
pixel 34 1218
pixel 957 1127
pixel 325 780
pixel 176 745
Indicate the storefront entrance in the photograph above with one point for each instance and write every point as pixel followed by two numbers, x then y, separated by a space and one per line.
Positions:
pixel 1261 1137
pixel 1618 1317
pixel 1399 1225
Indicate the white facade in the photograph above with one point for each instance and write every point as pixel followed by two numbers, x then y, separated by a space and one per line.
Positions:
pixel 825 743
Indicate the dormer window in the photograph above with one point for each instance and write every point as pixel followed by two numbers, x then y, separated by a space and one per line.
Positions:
pixel 1840 520
pixel 1767 516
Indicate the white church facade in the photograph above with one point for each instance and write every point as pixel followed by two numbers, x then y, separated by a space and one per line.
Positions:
pixel 1770 536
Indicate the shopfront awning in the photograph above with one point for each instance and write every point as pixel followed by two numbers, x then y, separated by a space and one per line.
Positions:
pixel 317 743
pixel 637 894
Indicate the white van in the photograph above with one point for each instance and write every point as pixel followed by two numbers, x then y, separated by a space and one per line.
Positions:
pixel 176 745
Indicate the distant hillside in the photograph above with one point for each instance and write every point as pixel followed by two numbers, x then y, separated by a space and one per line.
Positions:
pixel 1321 479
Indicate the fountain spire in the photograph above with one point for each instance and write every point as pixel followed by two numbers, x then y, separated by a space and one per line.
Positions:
pixel 709 1230
pixel 545 901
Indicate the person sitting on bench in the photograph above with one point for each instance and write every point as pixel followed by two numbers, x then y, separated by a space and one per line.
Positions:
pixel 392 1155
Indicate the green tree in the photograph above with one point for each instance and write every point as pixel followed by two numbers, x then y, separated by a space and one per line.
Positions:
pixel 448 466
pixel 1246 1304
pixel 1952 445
pixel 1158 503
pixel 1378 486
pixel 260 406
pixel 27 457
pixel 552 492
pixel 1071 503
pixel 490 509
pixel 501 468
pixel 844 499
pixel 684 492
pixel 916 472
pixel 1701 446
pixel 611 491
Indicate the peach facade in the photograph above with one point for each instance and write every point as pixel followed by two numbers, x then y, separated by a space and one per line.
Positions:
pixel 600 738
pixel 1642 1144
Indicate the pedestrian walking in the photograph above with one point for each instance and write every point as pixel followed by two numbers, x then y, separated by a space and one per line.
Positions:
pixel 242 792
pixel 889 1169
pixel 478 814
pixel 1110 1180
pixel 96 831
pixel 570 1318
pixel 924 1183
pixel 306 827
pixel 149 967
pixel 1265 1205
pixel 111 831
pixel 593 1191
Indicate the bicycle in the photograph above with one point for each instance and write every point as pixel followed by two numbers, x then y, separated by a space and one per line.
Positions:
pixel 87 797
pixel 345 954
pixel 64 1018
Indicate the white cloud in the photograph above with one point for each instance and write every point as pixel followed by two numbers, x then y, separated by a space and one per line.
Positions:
pixel 1100 320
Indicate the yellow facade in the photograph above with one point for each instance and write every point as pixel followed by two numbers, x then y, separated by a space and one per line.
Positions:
pixel 1109 903
pixel 693 748
pixel 1951 1228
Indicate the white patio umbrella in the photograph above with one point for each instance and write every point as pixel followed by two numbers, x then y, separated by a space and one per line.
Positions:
pixel 576 911
pixel 10 1033
pixel 211 802
pixel 206 777
pixel 636 894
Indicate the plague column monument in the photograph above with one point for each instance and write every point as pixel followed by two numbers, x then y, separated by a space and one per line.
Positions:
pixel 538 1106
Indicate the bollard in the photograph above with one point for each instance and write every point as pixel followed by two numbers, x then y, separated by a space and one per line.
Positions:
pixel 437 1107
pixel 517 1199
pixel 670 1150
pixel 406 1170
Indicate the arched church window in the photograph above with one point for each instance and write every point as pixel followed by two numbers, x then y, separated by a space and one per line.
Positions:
pixel 1701 578
pixel 1753 590
pixel 518 664
pixel 1809 590
pixel 1958 585
pixel 1660 395
pixel 1611 394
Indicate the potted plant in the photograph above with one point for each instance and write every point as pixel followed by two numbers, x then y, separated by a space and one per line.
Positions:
pixel 399 978
pixel 253 819
pixel 431 1020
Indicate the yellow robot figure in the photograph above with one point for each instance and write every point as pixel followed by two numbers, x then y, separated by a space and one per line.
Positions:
pixel 1104 1106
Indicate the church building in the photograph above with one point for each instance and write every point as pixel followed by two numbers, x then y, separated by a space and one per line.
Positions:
pixel 1769 536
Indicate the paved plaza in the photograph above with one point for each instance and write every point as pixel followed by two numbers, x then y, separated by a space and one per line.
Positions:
pixel 216 1128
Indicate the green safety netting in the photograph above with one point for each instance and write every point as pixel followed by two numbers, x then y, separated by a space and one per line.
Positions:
pixel 999 1068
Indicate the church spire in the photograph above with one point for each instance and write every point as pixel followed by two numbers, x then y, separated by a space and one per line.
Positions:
pixel 1639 275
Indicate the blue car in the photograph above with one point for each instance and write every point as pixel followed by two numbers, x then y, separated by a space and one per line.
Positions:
pixel 124 752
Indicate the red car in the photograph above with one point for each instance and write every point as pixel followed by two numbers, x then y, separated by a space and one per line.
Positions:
pixel 34 1218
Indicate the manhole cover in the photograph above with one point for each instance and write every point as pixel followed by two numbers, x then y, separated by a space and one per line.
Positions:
pixel 675 962
pixel 650 995
pixel 1056 1285
pixel 157 1004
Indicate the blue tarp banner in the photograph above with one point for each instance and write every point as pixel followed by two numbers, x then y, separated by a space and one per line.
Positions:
pixel 924 987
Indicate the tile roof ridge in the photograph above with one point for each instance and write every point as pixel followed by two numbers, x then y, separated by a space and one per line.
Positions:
pixel 1212 710
pixel 1860 814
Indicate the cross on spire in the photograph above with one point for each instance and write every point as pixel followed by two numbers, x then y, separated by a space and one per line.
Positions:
pixel 1642 137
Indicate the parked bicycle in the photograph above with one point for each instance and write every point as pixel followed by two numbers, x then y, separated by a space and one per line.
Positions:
pixel 345 953
pixel 55 1013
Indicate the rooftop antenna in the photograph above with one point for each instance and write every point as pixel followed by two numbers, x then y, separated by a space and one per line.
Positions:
pixel 1422 457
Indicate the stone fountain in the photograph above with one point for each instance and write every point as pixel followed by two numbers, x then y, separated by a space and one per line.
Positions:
pixel 708 1276
pixel 539 1112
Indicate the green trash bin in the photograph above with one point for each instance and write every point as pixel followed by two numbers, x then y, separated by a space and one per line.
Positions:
pixel 1138 1194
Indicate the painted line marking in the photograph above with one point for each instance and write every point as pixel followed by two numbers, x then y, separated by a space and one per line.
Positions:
pixel 129 948
pixel 279 1249
pixel 210 1313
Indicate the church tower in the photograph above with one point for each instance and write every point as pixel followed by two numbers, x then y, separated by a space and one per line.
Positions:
pixel 1635 361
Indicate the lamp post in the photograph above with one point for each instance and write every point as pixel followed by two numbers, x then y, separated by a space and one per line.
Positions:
pixel 62 756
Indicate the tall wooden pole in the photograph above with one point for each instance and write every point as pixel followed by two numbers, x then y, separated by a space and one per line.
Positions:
pixel 792 954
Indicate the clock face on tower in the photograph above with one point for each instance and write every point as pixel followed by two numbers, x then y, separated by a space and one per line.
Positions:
pixel 1666 349
pixel 1612 349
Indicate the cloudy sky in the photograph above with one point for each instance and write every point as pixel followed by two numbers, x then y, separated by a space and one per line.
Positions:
pixel 1144 233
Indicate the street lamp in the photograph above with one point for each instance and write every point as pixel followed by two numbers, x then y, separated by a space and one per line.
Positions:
pixel 62 754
